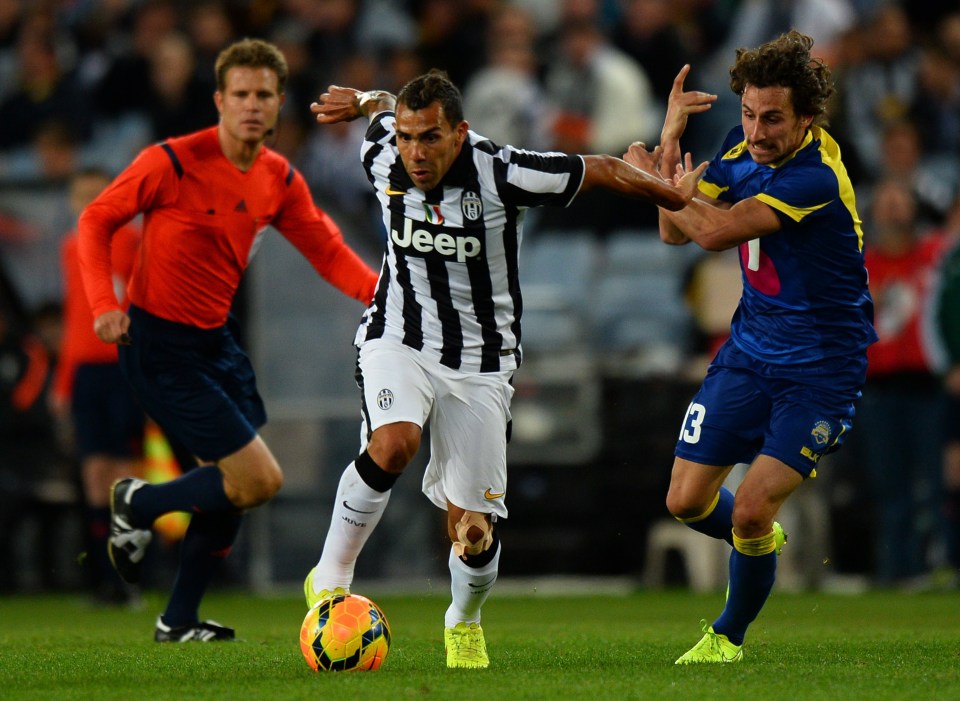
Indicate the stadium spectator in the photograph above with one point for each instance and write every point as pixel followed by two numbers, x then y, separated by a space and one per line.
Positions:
pixel 441 340
pixel 52 155
pixel 330 28
pixel 600 100
pixel 124 87
pixel 776 396
pixel 602 97
pixel 901 412
pixel 936 108
pixel 328 159
pixel 505 99
pixel 648 34
pixel 880 90
pixel 46 89
pixel 932 182
pixel 211 29
pixel 90 392
pixel 206 199
pixel 177 101
pixel 452 33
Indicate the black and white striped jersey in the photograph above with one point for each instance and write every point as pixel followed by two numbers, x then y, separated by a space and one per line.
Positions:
pixel 449 282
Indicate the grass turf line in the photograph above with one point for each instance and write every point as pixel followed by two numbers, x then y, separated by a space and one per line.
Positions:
pixel 804 646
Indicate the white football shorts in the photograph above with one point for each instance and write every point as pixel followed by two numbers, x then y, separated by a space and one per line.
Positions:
pixel 467 412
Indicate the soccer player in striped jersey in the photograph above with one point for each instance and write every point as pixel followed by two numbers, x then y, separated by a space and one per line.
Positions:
pixel 780 394
pixel 207 200
pixel 441 339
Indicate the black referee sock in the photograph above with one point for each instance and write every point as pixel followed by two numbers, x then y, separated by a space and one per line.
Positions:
pixel 199 490
pixel 208 540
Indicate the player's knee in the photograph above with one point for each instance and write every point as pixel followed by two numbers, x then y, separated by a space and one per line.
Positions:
pixel 751 519
pixel 392 447
pixel 257 489
pixel 472 534
pixel 683 505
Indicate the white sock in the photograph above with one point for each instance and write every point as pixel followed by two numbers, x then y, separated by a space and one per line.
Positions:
pixel 356 512
pixel 470 587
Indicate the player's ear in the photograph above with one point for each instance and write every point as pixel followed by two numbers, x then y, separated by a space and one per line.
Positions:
pixel 218 101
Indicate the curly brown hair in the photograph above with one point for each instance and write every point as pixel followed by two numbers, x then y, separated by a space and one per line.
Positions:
pixel 252 53
pixel 434 86
pixel 786 62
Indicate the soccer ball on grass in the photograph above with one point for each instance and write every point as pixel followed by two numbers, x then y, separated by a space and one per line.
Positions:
pixel 345 633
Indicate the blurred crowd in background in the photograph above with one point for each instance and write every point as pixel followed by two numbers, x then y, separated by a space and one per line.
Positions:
pixel 88 83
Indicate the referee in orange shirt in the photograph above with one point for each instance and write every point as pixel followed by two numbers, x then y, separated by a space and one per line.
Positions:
pixel 207 199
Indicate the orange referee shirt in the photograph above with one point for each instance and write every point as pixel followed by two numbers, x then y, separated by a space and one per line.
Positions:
pixel 203 221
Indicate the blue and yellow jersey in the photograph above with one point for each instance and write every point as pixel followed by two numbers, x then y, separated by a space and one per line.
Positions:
pixel 807 298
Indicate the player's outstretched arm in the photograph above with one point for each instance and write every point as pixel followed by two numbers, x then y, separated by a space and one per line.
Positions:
pixel 623 178
pixel 341 104
pixel 680 105
pixel 649 161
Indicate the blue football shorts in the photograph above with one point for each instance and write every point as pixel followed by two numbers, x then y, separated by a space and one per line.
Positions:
pixel 795 413
pixel 107 420
pixel 197 384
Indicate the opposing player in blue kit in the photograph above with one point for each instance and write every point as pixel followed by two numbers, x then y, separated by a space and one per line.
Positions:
pixel 780 393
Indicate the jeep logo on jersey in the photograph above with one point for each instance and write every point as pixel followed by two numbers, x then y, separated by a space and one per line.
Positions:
pixel 443 243
pixel 471 205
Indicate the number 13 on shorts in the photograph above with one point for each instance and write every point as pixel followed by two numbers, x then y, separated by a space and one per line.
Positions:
pixel 690 432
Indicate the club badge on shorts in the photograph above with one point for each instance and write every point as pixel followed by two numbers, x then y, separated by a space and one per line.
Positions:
pixel 385 399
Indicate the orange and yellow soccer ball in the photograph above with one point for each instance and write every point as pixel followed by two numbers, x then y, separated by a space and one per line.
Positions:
pixel 345 633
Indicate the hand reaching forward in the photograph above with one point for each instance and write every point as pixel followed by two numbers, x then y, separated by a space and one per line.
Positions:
pixel 685 178
pixel 638 156
pixel 337 105
pixel 680 105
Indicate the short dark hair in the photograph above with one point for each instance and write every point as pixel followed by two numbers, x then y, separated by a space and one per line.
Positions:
pixel 252 53
pixel 786 62
pixel 433 86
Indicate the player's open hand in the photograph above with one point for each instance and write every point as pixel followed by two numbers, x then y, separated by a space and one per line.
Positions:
pixel 687 176
pixel 338 104
pixel 681 104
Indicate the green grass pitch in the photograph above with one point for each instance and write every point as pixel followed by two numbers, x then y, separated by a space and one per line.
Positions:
pixel 873 646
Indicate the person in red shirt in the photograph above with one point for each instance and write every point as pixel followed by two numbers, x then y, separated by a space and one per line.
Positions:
pixel 207 199
pixel 903 401
pixel 107 422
